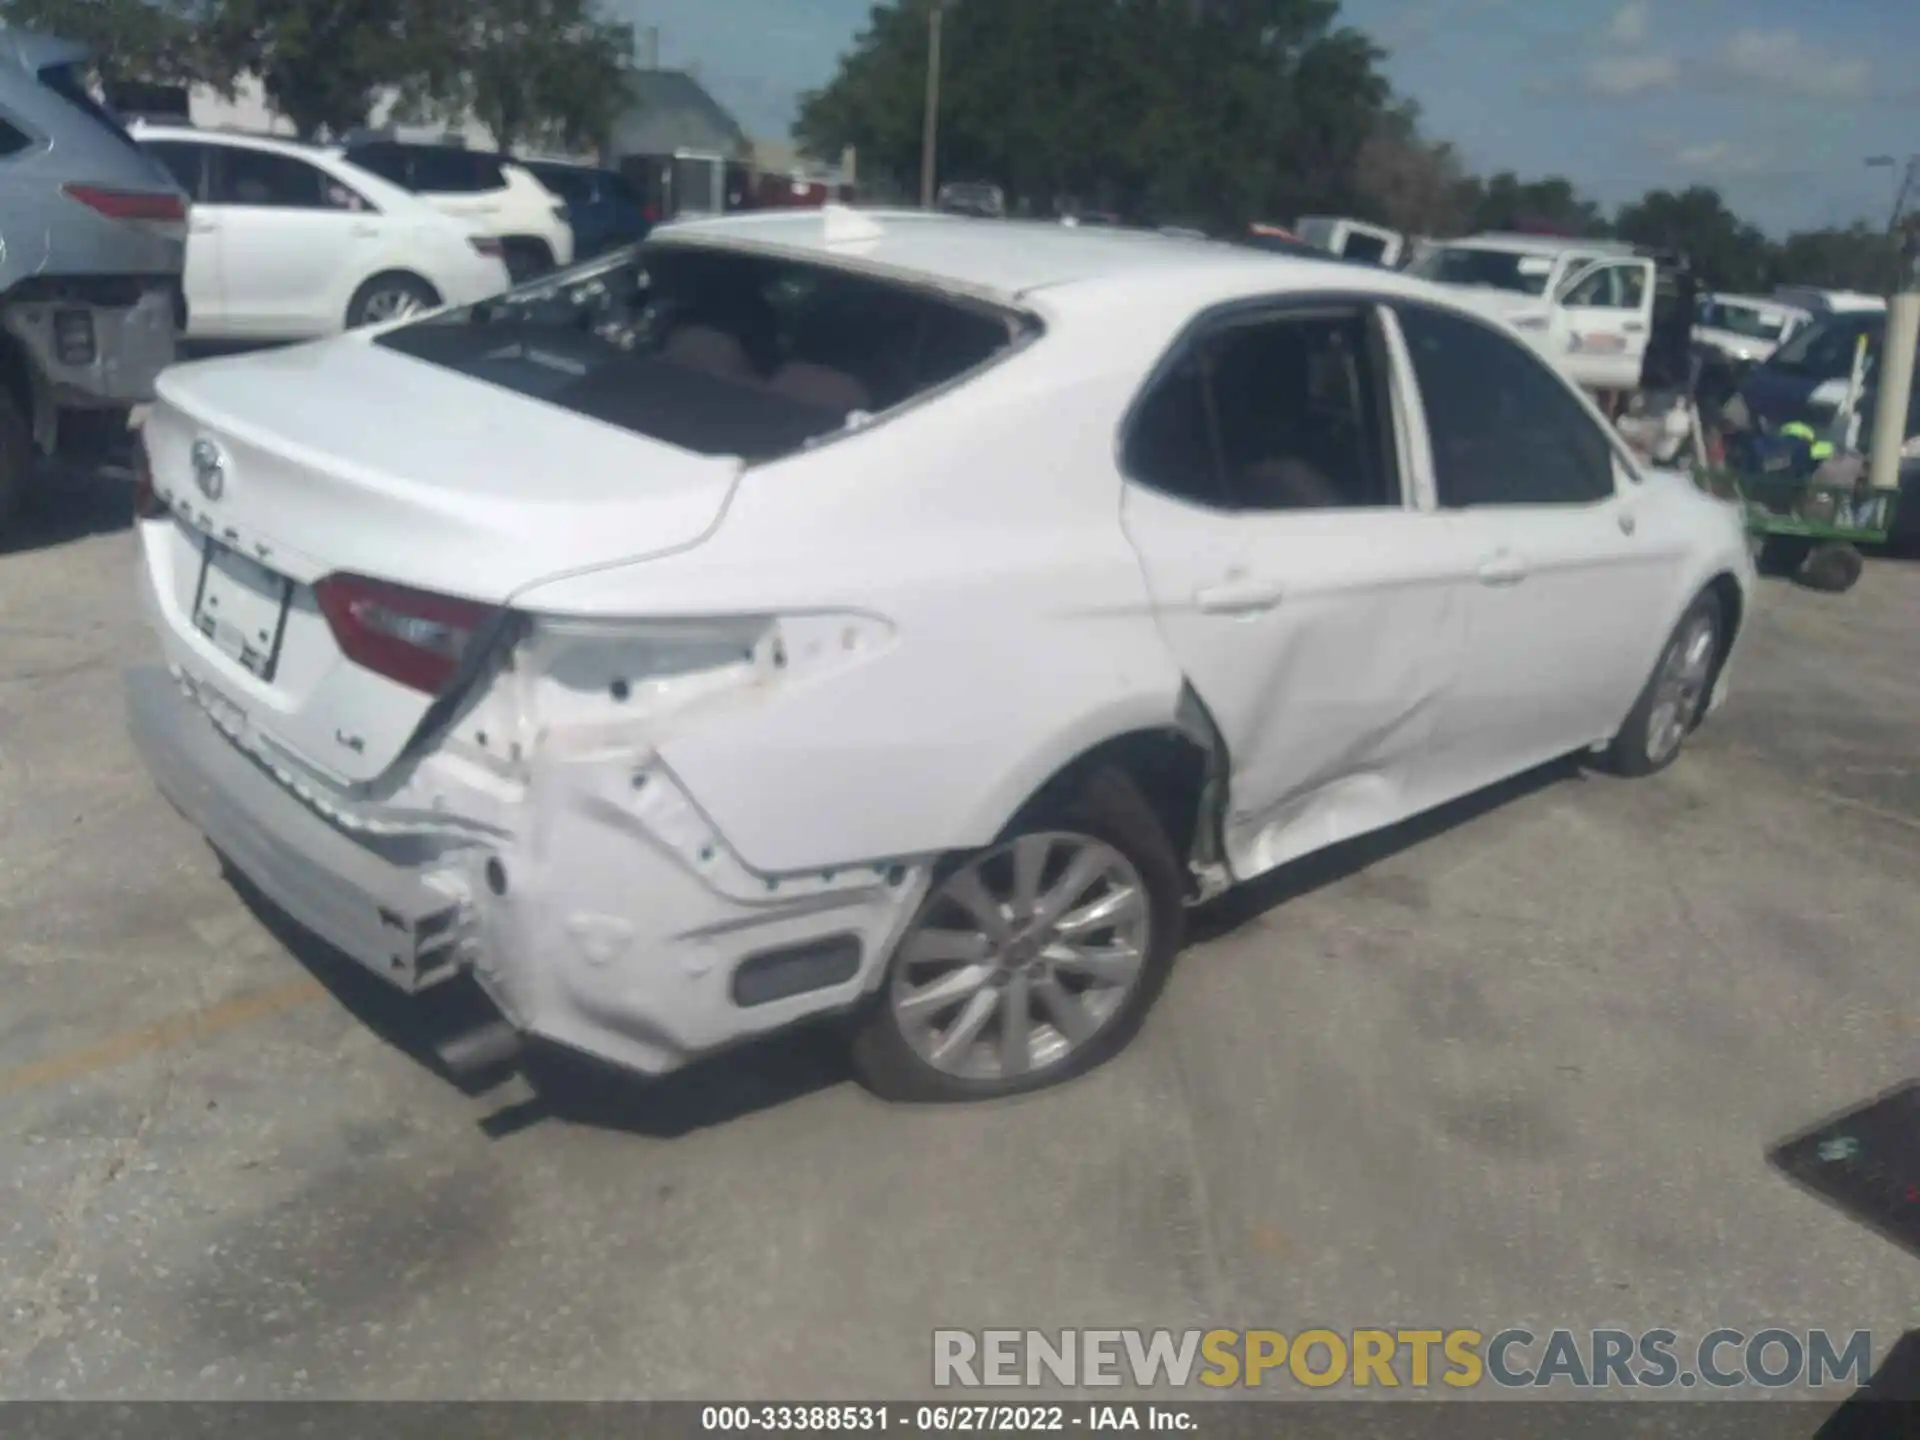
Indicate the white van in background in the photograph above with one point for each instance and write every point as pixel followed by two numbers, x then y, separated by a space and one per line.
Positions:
pixel 1828 302
pixel 1587 305
pixel 1352 239
pixel 1746 329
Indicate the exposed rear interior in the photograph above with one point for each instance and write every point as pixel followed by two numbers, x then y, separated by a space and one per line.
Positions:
pixel 716 351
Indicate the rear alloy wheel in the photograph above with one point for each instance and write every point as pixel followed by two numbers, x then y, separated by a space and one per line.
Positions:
pixel 390 297
pixel 1675 697
pixel 1032 960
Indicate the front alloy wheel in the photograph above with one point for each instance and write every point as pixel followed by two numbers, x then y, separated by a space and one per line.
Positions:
pixel 1681 690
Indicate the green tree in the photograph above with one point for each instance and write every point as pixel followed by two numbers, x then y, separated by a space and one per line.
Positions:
pixel 1859 257
pixel 549 71
pixel 1506 202
pixel 1727 252
pixel 1414 185
pixel 324 63
pixel 1198 110
pixel 131 39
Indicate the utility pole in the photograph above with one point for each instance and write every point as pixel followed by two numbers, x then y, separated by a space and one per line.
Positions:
pixel 1894 392
pixel 930 126
pixel 1902 192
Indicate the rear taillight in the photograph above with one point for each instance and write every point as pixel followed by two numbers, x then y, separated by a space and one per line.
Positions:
pixel 413 637
pixel 489 246
pixel 147 504
pixel 129 204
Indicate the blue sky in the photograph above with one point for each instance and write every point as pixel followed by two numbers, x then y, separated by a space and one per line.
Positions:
pixel 1777 102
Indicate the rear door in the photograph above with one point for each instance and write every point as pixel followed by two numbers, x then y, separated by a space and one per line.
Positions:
pixel 1571 571
pixel 1309 598
pixel 189 163
pixel 292 241
pixel 1606 315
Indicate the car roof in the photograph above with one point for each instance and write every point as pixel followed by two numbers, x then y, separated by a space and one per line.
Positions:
pixel 378 188
pixel 1009 260
pixel 240 139
pixel 1516 244
pixel 1767 303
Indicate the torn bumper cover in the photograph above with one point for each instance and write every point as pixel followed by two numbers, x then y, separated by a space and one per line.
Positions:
pixel 611 919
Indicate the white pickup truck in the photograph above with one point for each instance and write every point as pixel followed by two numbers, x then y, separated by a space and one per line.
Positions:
pixel 1587 305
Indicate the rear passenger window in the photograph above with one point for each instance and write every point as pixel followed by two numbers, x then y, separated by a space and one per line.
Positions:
pixel 1279 413
pixel 1505 430
pixel 447 170
pixel 183 162
pixel 1171 443
pixel 389 162
pixel 264 180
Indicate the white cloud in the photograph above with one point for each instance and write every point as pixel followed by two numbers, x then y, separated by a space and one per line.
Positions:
pixel 1631 74
pixel 1630 23
pixel 1782 59
pixel 1719 158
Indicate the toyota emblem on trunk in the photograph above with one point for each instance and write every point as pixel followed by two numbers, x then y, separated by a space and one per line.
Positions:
pixel 209 469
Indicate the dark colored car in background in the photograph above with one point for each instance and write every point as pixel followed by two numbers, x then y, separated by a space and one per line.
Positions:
pixel 1805 379
pixel 606 211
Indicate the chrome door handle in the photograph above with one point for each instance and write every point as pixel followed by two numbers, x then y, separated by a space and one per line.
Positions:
pixel 202 227
pixel 1502 570
pixel 1238 597
pixel 1627 524
pixel 1634 327
pixel 366 232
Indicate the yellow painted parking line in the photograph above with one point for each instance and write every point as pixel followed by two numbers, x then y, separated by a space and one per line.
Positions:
pixel 167 1034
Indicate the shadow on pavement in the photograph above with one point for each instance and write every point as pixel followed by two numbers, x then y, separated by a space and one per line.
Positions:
pixel 566 1087
pixel 1888 1405
pixel 68 502
pixel 1325 867
pixel 780 1068
pixel 1865 1162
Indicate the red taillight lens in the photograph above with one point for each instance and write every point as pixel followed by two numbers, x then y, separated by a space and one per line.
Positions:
pixel 128 204
pixel 410 636
pixel 147 504
pixel 489 246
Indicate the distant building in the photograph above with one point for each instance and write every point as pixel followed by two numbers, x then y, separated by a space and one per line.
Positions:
pixel 681 147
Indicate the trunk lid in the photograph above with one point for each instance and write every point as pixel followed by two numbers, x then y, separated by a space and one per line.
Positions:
pixel 285 467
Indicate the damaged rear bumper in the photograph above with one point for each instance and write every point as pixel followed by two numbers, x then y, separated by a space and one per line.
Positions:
pixel 607 922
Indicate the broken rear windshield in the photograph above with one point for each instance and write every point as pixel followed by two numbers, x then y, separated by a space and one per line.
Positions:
pixel 713 351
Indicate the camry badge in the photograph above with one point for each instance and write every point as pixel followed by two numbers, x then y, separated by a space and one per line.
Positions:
pixel 209 469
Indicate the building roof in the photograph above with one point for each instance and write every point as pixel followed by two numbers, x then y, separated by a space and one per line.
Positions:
pixel 672 112
pixel 1006 260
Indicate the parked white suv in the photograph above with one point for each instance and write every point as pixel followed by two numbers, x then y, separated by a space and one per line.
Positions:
pixel 894 616
pixel 287 242
pixel 496 196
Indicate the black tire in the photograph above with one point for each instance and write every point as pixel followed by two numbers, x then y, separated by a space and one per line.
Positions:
pixel 527 257
pixel 16 456
pixel 1783 555
pixel 1108 808
pixel 1832 568
pixel 368 306
pixel 89 437
pixel 1633 751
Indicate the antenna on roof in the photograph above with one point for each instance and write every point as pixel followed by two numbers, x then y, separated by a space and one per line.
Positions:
pixel 846 226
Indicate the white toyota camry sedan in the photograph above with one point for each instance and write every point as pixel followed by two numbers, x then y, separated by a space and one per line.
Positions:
pixel 901 618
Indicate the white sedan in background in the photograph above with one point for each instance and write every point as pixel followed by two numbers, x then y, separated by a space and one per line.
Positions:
pixel 897 617
pixel 288 242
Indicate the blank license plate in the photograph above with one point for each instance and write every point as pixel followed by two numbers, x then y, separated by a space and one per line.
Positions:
pixel 242 608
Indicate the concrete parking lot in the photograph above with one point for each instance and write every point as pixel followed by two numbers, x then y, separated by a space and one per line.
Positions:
pixel 1519 1067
